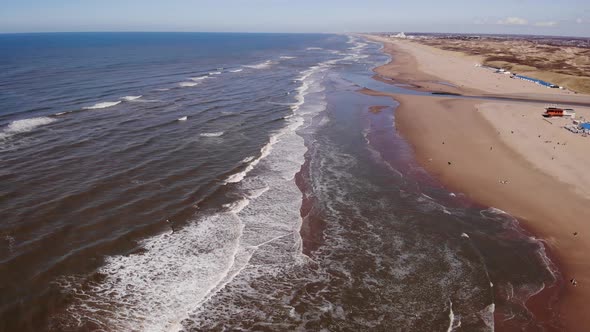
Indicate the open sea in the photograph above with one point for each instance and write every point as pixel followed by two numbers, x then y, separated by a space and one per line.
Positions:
pixel 236 182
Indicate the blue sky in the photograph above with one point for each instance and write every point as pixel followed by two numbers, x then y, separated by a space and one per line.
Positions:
pixel 556 17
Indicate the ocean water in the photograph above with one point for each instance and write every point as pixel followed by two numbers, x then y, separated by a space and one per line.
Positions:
pixel 214 182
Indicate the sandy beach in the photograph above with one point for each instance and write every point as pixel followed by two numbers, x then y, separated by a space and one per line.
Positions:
pixel 501 154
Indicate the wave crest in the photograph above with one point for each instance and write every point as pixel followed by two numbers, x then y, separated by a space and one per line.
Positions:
pixel 23 126
pixel 131 98
pixel 262 65
pixel 103 105
pixel 187 84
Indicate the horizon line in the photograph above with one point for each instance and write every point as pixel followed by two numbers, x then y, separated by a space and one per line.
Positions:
pixel 292 33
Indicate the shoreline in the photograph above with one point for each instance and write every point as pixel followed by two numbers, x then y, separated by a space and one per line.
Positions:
pixel 537 304
pixel 462 148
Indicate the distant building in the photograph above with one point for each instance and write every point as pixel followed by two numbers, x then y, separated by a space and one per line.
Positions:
pixel 399 35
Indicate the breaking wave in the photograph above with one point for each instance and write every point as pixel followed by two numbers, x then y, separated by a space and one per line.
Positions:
pixel 187 84
pixel 262 65
pixel 105 104
pixel 178 272
pixel 131 98
pixel 23 126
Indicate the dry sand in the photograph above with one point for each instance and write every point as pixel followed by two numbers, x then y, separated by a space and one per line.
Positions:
pixel 544 142
pixel 435 65
pixel 496 156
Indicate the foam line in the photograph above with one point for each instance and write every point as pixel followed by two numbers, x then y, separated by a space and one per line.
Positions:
pixel 451 317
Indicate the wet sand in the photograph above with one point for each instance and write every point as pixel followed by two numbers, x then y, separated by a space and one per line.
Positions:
pixel 486 151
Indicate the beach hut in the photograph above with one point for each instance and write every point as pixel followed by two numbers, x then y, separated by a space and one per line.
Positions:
pixel 559 112
pixel 537 81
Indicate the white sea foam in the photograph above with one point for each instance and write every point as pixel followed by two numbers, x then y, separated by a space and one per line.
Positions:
pixel 451 317
pixel 237 206
pixel 295 123
pixel 262 65
pixel 131 98
pixel 178 272
pixel 105 104
pixel 236 70
pixel 358 46
pixel 215 134
pixel 314 48
pixel 152 291
pixel 23 126
pixel 497 211
pixel 263 153
pixel 187 84
pixel 215 73
pixel 162 89
pixel 184 118
pixel 288 57
pixel 430 204
pixel 487 315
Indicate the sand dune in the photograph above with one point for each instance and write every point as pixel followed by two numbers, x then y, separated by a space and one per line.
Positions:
pixel 567 66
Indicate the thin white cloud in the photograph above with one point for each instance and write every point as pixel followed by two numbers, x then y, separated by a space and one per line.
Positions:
pixel 546 24
pixel 513 21
pixel 579 20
